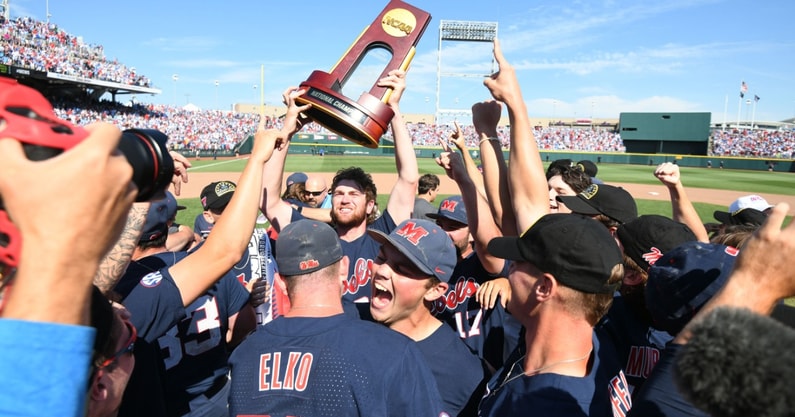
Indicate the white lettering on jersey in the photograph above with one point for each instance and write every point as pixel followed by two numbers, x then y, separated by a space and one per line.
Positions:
pixel 294 376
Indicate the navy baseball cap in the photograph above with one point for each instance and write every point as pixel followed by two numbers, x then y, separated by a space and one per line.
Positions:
pixel 451 208
pixel 156 223
pixel 425 244
pixel 216 195
pixel 306 246
pixel 683 280
pixel 614 202
pixel 172 206
pixel 579 252
pixel 296 178
pixel 742 216
pixel 649 237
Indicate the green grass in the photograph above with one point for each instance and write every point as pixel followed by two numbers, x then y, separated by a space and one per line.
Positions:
pixel 722 179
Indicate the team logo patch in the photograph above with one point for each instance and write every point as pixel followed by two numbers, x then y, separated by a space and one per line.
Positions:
pixel 590 192
pixel 151 280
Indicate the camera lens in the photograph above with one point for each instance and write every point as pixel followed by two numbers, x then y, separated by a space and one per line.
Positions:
pixel 153 168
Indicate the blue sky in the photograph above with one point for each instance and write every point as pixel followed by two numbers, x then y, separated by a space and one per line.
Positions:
pixel 574 58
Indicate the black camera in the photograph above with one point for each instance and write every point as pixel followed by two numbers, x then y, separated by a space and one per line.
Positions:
pixel 145 150
pixel 28 117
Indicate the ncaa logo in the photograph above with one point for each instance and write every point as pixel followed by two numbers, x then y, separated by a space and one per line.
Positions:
pixel 151 280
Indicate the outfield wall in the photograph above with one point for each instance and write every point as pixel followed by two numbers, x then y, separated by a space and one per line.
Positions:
pixel 313 144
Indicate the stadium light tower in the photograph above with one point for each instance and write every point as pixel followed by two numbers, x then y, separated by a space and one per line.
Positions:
pixel 461 31
pixel 175 77
pixel 47 9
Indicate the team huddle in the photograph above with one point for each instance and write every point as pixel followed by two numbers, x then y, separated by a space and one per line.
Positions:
pixel 533 291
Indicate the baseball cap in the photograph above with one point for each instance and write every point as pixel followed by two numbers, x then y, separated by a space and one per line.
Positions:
pixel 742 216
pixel 172 206
pixel 588 167
pixel 614 202
pixel 216 195
pixel 156 223
pixel 425 244
pixel 683 280
pixel 451 208
pixel 306 246
pixel 579 252
pixel 296 177
pixel 749 201
pixel 649 237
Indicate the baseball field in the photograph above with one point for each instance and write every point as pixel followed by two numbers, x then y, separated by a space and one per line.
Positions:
pixel 709 188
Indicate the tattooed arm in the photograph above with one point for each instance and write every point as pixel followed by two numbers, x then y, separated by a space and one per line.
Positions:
pixel 113 265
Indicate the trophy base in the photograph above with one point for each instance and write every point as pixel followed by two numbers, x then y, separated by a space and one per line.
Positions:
pixel 362 122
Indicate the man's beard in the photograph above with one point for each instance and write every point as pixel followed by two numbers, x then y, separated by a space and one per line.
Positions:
pixel 358 217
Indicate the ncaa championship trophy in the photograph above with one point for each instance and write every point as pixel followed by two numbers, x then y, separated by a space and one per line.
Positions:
pixel 398 29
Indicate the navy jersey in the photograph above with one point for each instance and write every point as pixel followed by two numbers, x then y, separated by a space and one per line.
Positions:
pixel 459 373
pixel 194 352
pixel 638 344
pixel 331 366
pixel 361 252
pixel 492 334
pixel 201 226
pixel 155 305
pixel 659 395
pixel 601 393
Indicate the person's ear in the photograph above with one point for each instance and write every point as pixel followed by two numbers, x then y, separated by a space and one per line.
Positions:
pixel 343 273
pixel 280 284
pixel 438 290
pixel 545 287
pixel 98 391
pixel 370 206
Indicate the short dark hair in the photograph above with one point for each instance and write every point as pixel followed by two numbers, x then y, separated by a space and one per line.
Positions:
pixel 157 242
pixel 571 175
pixel 427 183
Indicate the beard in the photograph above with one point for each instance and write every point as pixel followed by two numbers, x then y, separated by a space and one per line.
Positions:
pixel 355 218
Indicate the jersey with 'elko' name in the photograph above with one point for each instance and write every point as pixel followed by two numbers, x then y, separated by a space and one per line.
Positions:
pixel 330 366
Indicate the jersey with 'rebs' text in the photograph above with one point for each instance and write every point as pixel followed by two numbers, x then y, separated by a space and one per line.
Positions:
pixel 330 366
pixel 491 333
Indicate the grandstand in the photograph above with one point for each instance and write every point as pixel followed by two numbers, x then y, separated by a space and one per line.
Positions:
pixel 75 76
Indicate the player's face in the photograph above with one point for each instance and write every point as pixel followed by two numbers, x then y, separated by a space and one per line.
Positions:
pixel 116 373
pixel 315 191
pixel 523 277
pixel 349 205
pixel 558 187
pixel 399 289
pixel 458 232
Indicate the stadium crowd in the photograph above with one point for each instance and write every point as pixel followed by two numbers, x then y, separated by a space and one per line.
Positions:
pixel 43 46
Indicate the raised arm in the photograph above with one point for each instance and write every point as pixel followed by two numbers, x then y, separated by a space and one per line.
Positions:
pixel 231 235
pixel 61 249
pixel 457 138
pixel 485 118
pixel 481 223
pixel 401 199
pixel 762 274
pixel 528 185
pixel 278 211
pixel 683 210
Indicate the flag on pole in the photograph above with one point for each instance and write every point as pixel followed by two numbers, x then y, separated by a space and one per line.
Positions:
pixel 743 89
pixel 756 97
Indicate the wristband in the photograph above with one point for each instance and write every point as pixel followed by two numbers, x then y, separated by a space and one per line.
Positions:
pixel 490 138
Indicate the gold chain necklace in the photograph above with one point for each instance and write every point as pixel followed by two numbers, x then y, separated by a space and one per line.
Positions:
pixel 508 377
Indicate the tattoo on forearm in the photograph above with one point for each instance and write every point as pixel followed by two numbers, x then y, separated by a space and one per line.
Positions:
pixel 113 265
